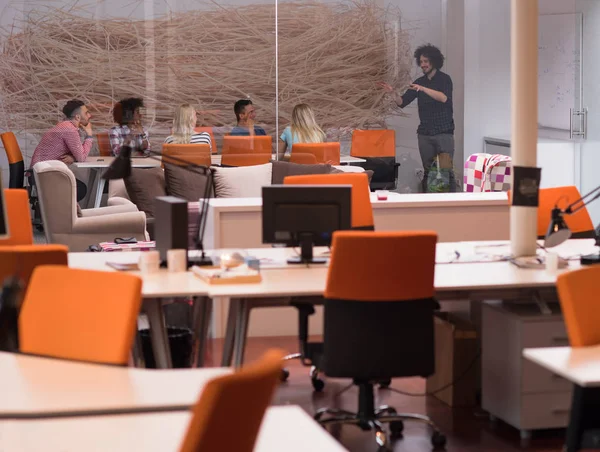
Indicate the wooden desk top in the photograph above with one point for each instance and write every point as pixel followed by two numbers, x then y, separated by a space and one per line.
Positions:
pixel 281 280
pixel 34 387
pixel 580 365
pixel 286 428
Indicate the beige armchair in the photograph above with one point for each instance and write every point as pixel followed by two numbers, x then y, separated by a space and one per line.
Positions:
pixel 64 223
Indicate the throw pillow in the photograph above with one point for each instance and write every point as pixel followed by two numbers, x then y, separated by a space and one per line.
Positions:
pixel 143 185
pixel 282 169
pixel 243 181
pixel 185 184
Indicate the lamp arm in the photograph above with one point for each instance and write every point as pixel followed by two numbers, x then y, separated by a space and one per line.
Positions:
pixel 574 207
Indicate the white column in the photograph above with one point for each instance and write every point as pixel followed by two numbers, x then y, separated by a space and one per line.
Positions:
pixel 524 92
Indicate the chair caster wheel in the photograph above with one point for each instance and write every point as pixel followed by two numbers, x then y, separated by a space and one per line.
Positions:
pixel 317 384
pixel 438 440
pixel 384 384
pixel 396 429
pixel 284 375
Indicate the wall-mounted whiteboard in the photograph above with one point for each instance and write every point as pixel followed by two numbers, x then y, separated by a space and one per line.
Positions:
pixel 559 70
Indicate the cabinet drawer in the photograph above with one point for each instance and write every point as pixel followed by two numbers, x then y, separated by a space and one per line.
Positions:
pixel 536 379
pixel 549 410
pixel 544 334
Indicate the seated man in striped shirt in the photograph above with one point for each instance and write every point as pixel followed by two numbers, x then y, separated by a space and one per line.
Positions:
pixel 62 142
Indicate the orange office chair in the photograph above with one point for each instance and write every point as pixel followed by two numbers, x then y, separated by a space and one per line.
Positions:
pixel 303 159
pixel 246 151
pixel 64 315
pixel 16 165
pixel 362 209
pixel 379 291
pixel 378 148
pixel 580 222
pixel 194 153
pixel 230 410
pixel 21 260
pixel 104 144
pixel 323 152
pixel 576 291
pixel 19 218
pixel 208 130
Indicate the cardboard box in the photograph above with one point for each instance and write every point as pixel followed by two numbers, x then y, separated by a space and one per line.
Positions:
pixel 456 360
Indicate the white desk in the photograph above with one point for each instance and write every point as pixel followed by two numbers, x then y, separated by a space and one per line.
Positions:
pixel 237 222
pixel 581 366
pixel 36 387
pixel 215 159
pixel 286 428
pixel 97 166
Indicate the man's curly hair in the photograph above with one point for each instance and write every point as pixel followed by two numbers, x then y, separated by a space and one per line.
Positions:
pixel 432 53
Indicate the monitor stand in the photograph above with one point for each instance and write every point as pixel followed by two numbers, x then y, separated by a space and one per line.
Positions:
pixel 306 252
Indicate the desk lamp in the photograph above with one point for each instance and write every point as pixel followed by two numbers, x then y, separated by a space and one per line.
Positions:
pixel 559 232
pixel 120 168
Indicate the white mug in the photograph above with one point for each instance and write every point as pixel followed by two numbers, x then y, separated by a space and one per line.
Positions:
pixel 551 262
pixel 149 261
pixel 177 260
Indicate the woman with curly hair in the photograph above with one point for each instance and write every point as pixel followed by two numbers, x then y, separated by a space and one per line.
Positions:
pixel 434 92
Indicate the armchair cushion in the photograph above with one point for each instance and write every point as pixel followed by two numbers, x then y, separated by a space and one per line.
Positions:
pixel 243 181
pixel 282 169
pixel 143 185
pixel 185 184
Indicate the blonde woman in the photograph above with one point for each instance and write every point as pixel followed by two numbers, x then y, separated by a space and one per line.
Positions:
pixel 184 122
pixel 303 129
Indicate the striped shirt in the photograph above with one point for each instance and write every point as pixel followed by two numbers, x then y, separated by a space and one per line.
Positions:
pixel 197 138
pixel 61 140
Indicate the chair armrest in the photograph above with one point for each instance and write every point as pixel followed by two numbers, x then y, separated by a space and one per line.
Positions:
pixel 118 201
pixel 110 210
pixel 126 224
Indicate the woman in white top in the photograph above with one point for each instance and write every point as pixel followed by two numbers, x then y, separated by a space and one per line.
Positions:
pixel 183 132
pixel 302 129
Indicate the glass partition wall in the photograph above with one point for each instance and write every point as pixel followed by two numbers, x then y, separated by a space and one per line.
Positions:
pixel 330 55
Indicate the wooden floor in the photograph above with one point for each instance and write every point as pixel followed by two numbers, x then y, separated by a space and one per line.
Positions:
pixel 468 430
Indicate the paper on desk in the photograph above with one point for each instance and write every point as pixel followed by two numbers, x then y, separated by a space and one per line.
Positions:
pixel 470 253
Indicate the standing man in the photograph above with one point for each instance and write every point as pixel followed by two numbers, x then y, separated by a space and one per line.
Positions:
pixel 434 92
pixel 245 113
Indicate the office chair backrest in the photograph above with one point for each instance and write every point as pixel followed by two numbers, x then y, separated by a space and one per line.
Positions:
pixel 19 218
pixel 81 315
pixel 580 222
pixel 208 130
pixel 380 288
pixel 20 261
pixel 230 410
pixel 16 166
pixel 303 159
pixel 382 266
pixel 104 147
pixel 373 143
pixel 362 209
pixel 323 152
pixel 247 145
pixel 577 291
pixel 193 153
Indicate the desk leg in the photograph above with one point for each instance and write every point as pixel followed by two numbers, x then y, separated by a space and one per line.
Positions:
pixel 202 316
pixel 158 333
pixel 230 332
pixel 91 187
pixel 584 426
pixel 241 331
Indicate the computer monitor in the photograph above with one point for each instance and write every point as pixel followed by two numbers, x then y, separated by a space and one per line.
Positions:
pixel 3 216
pixel 305 215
